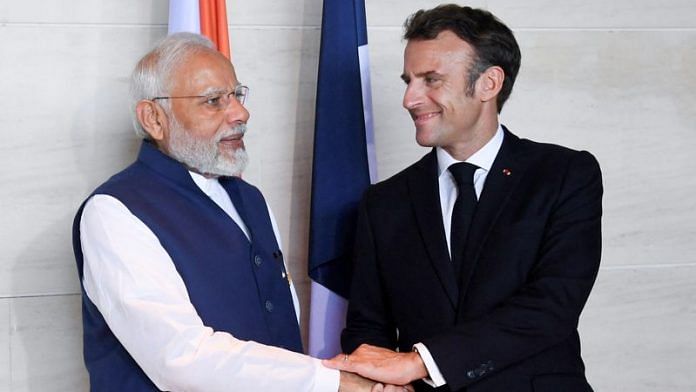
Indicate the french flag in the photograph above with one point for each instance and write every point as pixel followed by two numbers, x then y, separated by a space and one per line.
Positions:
pixel 343 167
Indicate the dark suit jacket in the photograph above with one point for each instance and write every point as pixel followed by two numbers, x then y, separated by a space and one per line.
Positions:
pixel 509 322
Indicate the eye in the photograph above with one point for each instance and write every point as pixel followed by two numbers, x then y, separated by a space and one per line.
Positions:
pixel 240 93
pixel 213 100
pixel 430 79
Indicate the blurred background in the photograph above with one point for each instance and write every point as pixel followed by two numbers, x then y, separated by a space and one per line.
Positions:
pixel 615 77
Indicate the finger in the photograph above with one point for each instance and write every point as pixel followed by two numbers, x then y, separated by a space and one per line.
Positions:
pixel 337 363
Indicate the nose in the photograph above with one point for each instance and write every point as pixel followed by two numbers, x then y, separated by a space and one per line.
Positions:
pixel 413 96
pixel 236 113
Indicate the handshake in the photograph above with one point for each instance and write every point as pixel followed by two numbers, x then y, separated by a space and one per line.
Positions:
pixel 377 369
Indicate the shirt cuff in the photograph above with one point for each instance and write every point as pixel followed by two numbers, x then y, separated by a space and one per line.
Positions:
pixel 325 380
pixel 435 378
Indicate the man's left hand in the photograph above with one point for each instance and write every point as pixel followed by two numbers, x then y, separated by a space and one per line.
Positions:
pixel 381 364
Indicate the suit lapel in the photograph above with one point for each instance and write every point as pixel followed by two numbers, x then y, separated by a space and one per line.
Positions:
pixel 505 174
pixel 425 196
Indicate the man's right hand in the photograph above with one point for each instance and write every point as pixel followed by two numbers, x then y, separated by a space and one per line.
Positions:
pixel 351 382
pixel 381 364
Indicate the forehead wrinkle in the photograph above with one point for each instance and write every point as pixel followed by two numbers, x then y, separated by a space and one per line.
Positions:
pixel 208 70
pixel 441 52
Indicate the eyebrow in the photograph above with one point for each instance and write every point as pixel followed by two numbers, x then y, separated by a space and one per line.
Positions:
pixel 218 90
pixel 407 79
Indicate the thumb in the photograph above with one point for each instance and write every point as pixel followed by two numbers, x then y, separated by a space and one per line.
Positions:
pixel 377 388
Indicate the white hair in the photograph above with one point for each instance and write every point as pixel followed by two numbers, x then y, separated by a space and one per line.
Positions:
pixel 152 75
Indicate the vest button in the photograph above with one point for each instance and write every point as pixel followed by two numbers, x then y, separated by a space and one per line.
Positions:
pixel 269 306
pixel 258 260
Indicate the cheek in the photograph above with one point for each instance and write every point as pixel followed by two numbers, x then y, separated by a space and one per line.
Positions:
pixel 448 104
pixel 464 107
pixel 198 124
pixel 205 128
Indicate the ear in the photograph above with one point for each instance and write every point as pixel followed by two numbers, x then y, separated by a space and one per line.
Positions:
pixel 490 83
pixel 152 118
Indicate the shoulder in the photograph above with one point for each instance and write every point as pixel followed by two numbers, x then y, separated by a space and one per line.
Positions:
pixel 556 158
pixel 567 171
pixel 131 178
pixel 100 208
pixel 546 149
pixel 396 186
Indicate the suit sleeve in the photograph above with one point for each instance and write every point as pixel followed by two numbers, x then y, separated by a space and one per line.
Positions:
pixel 545 310
pixel 367 310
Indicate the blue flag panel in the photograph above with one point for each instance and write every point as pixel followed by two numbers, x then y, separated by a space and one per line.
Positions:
pixel 340 171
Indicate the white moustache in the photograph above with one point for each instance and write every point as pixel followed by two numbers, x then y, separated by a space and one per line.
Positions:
pixel 235 132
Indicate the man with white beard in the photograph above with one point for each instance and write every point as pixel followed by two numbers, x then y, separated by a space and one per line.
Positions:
pixel 184 285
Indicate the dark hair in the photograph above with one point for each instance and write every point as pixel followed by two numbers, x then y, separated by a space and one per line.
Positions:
pixel 493 42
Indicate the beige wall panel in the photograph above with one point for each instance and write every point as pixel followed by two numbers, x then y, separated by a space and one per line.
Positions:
pixel 637 330
pixel 394 131
pixel 553 14
pixel 84 11
pixel 46 344
pixel 147 12
pixel 628 98
pixel 274 13
pixel 394 12
pixel 615 14
pixel 5 364
pixel 67 129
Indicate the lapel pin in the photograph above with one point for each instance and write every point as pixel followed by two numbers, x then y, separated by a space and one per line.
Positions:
pixel 507 172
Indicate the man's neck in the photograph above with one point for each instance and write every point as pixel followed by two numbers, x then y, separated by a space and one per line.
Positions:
pixel 477 139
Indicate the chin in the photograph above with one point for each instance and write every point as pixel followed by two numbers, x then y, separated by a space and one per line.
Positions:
pixel 424 140
pixel 232 163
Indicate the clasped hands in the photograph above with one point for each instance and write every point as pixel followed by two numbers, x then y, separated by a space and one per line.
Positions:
pixel 393 371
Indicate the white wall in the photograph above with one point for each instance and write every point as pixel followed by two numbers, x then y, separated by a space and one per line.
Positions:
pixel 616 79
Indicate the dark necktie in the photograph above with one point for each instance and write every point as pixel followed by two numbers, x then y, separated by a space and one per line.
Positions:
pixel 463 211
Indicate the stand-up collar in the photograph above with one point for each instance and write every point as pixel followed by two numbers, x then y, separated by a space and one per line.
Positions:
pixel 163 164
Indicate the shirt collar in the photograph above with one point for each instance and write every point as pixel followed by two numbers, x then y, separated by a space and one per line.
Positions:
pixel 483 158
pixel 207 185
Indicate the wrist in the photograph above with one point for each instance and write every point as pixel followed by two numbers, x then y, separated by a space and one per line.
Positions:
pixel 419 370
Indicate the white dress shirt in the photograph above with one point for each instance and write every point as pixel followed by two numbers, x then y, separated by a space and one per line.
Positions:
pixel 482 158
pixel 133 282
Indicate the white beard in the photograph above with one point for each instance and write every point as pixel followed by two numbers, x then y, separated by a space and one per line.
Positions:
pixel 203 155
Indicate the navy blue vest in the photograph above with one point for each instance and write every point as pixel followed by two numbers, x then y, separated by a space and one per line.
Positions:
pixel 235 285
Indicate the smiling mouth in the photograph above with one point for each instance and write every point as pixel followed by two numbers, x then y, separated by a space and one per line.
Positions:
pixel 423 117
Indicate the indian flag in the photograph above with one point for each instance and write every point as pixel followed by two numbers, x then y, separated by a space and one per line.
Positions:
pixel 206 17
